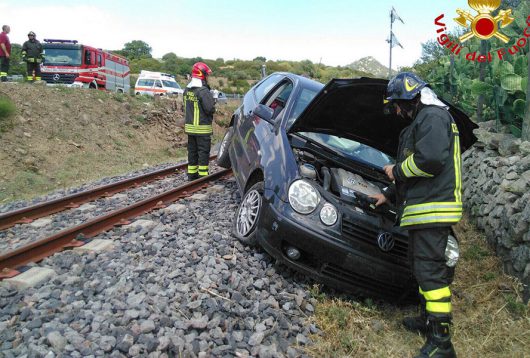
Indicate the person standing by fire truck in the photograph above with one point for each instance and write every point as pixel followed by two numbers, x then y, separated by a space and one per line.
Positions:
pixel 199 107
pixel 5 52
pixel 32 54
pixel 428 187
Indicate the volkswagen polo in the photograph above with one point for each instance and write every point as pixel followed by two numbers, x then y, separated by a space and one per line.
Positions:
pixel 306 158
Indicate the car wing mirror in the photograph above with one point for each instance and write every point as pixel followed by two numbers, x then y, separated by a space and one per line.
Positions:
pixel 264 112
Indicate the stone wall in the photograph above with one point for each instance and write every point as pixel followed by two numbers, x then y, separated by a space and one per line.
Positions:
pixel 496 175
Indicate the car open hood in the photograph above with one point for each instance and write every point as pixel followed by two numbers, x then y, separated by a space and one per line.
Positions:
pixel 353 108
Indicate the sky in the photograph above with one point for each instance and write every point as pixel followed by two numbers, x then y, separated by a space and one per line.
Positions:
pixel 333 32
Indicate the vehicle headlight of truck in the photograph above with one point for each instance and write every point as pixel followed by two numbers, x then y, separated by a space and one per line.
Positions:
pixel 328 214
pixel 303 197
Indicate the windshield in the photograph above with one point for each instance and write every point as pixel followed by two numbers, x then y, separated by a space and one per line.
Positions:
pixel 62 57
pixel 304 98
pixel 171 84
pixel 351 149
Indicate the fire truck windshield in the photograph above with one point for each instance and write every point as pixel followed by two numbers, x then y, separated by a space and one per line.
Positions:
pixel 62 57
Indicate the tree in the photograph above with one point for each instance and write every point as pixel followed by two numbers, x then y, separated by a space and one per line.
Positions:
pixel 148 64
pixel 431 51
pixel 170 57
pixel 260 59
pixel 136 50
pixel 17 67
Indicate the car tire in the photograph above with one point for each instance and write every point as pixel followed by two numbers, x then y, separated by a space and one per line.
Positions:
pixel 223 159
pixel 245 223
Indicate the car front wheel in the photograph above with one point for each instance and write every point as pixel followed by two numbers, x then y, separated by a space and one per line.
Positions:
pixel 223 159
pixel 247 217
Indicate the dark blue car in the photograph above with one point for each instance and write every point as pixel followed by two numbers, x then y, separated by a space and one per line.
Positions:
pixel 306 158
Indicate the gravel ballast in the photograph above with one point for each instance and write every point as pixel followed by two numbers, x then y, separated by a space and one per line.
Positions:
pixel 23 234
pixel 177 284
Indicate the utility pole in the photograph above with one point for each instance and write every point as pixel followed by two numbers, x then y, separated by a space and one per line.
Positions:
pixel 392 40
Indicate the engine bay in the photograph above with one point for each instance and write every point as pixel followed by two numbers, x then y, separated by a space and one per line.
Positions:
pixel 345 184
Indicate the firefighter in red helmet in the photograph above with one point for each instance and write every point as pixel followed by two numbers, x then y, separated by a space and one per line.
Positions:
pixel 199 107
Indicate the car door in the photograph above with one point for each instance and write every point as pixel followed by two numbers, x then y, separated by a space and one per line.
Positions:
pixel 246 125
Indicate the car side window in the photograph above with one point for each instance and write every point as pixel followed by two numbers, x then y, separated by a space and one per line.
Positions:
pixel 158 84
pixel 277 100
pixel 264 87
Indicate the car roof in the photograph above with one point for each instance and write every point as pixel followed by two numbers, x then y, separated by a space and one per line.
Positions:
pixel 302 81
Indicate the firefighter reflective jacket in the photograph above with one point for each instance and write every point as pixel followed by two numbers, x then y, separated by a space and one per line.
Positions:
pixel 199 107
pixel 32 51
pixel 428 170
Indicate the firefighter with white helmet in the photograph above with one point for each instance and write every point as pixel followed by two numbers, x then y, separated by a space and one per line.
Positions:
pixel 199 107
pixel 33 55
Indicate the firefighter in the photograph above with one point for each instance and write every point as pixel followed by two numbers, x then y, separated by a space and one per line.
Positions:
pixel 5 52
pixel 199 107
pixel 33 55
pixel 428 189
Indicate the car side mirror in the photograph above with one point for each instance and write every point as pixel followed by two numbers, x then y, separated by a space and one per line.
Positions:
pixel 264 112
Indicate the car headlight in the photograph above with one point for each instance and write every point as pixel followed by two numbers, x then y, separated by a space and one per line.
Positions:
pixel 328 214
pixel 303 197
pixel 452 251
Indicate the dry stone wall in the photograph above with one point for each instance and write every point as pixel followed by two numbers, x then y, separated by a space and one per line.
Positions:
pixel 496 178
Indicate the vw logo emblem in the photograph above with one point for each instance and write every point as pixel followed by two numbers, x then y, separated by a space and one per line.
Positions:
pixel 386 241
pixel 56 77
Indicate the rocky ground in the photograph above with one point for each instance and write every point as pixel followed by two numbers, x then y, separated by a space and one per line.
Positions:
pixel 23 234
pixel 174 285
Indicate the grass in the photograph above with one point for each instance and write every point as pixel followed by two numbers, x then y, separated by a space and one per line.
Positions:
pixel 141 118
pixel 490 319
pixel 119 97
pixel 83 167
pixel 7 110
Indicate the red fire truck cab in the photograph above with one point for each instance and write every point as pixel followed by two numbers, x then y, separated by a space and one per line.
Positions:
pixel 68 63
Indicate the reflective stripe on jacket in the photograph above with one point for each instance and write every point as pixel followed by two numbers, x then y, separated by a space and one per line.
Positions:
pixel 199 107
pixel 428 171
pixel 32 51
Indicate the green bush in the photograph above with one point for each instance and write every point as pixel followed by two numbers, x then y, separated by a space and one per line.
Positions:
pixel 7 109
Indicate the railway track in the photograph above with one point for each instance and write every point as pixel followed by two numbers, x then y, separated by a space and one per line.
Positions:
pixel 173 283
pixel 30 213
pixel 73 236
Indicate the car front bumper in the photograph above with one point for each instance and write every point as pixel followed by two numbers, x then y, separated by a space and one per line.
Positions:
pixel 328 258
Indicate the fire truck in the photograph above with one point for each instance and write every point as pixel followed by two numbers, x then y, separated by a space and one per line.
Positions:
pixel 68 63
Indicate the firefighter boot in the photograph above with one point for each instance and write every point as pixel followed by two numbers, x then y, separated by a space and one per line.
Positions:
pixel 417 323
pixel 438 344
pixel 192 177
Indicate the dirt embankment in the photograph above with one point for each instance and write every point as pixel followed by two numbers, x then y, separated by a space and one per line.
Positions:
pixel 61 137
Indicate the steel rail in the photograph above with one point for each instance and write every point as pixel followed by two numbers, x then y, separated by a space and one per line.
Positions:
pixel 30 213
pixel 41 249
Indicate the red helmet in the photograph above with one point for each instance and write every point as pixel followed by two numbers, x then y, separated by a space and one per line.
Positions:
pixel 200 70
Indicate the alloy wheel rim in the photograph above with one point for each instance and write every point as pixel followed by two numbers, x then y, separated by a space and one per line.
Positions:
pixel 248 212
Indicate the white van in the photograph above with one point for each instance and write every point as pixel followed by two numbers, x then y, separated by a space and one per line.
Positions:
pixel 157 83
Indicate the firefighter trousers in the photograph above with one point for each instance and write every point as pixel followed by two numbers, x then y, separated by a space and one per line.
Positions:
pixel 430 269
pixel 4 68
pixel 33 66
pixel 198 155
